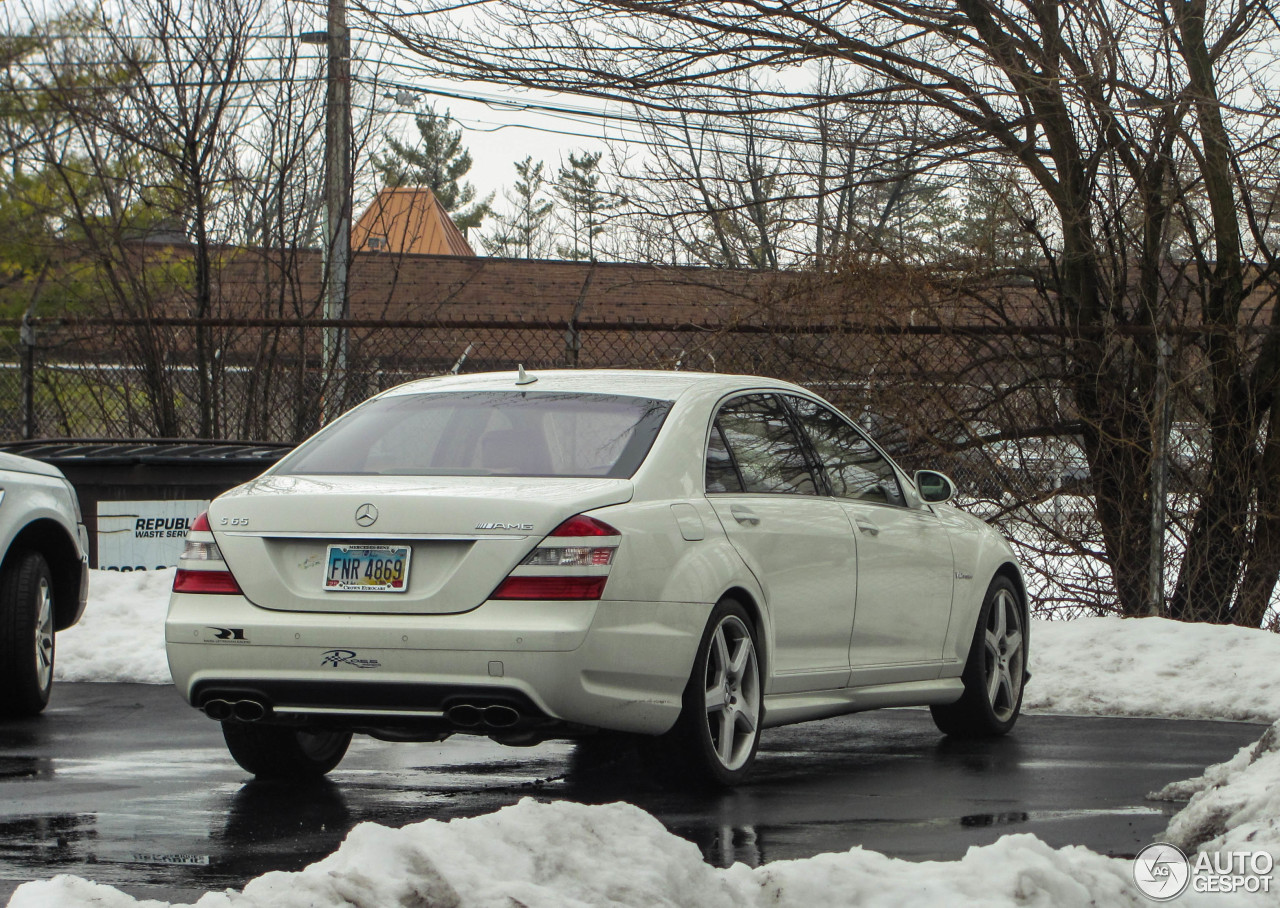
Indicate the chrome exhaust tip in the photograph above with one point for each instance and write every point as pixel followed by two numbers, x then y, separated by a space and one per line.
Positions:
pixel 500 716
pixel 219 710
pixel 248 710
pixel 464 715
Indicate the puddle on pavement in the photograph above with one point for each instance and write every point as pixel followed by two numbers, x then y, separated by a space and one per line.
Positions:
pixel 19 768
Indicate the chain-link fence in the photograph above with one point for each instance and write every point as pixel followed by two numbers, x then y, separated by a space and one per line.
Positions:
pixel 984 404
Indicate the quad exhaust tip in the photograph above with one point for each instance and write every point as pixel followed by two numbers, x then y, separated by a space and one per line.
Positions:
pixel 468 715
pixel 240 710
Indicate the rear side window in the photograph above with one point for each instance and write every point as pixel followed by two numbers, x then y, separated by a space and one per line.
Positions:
pixel 487 433
pixel 722 475
pixel 761 442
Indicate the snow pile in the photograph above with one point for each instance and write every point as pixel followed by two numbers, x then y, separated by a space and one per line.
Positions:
pixel 564 855
pixel 1235 806
pixel 1153 667
pixel 121 635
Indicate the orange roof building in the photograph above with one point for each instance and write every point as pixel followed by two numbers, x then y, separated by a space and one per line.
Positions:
pixel 408 220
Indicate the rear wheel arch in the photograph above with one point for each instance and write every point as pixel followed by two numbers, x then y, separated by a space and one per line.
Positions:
pixel 50 539
pixel 754 612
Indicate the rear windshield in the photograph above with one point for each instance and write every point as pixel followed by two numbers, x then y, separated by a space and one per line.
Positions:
pixel 486 433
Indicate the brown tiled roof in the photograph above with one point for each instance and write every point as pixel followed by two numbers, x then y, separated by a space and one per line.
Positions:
pixel 410 220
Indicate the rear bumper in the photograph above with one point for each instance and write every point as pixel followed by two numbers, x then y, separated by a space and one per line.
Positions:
pixel 615 665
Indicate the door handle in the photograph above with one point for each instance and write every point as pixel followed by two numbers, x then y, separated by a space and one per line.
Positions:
pixel 744 516
pixel 868 527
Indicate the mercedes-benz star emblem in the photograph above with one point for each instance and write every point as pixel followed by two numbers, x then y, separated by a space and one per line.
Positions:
pixel 366 515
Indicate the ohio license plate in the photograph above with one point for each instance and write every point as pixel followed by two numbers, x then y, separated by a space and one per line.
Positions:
pixel 367 569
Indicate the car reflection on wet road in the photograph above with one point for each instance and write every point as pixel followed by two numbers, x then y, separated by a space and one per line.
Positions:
pixel 126 785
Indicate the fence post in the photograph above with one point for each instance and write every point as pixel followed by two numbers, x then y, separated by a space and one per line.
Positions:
pixel 27 339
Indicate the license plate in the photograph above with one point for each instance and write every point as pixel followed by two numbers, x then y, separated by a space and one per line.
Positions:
pixel 367 569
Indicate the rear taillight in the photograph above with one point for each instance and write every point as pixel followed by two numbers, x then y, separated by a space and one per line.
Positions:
pixel 201 567
pixel 570 556
pixel 550 588
pixel 205 582
pixel 582 525
pixel 572 562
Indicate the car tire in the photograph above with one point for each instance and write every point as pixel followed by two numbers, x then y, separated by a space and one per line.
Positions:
pixel 995 672
pixel 26 634
pixel 716 741
pixel 284 753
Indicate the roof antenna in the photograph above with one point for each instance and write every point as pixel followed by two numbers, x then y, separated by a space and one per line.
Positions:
pixel 457 367
pixel 524 378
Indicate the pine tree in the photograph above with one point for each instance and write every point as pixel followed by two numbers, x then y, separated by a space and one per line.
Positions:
pixel 524 233
pixel 584 205
pixel 438 161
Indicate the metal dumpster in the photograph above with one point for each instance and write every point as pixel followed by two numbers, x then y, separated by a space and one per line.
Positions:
pixel 139 497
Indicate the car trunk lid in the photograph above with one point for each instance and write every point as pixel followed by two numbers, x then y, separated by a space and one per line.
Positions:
pixel 464 534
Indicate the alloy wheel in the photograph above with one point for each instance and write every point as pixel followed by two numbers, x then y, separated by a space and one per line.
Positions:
pixel 1004 660
pixel 44 635
pixel 732 692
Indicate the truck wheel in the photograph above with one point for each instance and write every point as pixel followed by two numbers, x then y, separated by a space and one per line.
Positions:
pixel 26 634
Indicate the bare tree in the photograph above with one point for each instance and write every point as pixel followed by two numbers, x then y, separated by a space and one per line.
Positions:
pixel 1141 125
pixel 188 151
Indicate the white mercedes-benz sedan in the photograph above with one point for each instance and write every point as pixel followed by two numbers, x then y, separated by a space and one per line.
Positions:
pixel 687 557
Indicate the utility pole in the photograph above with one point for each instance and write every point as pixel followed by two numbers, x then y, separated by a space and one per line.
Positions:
pixel 337 193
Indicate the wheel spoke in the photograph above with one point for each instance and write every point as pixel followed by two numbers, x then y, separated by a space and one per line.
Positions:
pixel 720 652
pixel 740 658
pixel 748 715
pixel 1005 682
pixel 993 645
pixel 993 684
pixel 1012 644
pixel 727 737
pixel 1000 615
pixel 715 698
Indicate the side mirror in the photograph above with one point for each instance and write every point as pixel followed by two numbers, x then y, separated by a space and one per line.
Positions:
pixel 934 488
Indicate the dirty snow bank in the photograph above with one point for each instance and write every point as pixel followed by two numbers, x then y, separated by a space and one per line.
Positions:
pixel 121 636
pixel 564 855
pixel 1153 667
pixel 1235 806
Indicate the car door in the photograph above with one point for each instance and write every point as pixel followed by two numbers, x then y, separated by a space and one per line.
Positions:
pixel 796 541
pixel 905 565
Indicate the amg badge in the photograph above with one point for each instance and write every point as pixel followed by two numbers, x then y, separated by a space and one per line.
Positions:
pixel 504 526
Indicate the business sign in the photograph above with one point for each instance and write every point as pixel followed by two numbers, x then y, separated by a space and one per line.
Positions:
pixel 144 535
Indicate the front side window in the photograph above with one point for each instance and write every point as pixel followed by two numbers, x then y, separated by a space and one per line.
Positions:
pixel 487 433
pixel 754 448
pixel 854 467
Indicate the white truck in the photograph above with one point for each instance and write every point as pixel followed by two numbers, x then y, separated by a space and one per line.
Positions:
pixel 44 577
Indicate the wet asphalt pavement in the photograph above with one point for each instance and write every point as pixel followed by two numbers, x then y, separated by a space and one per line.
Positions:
pixel 127 785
